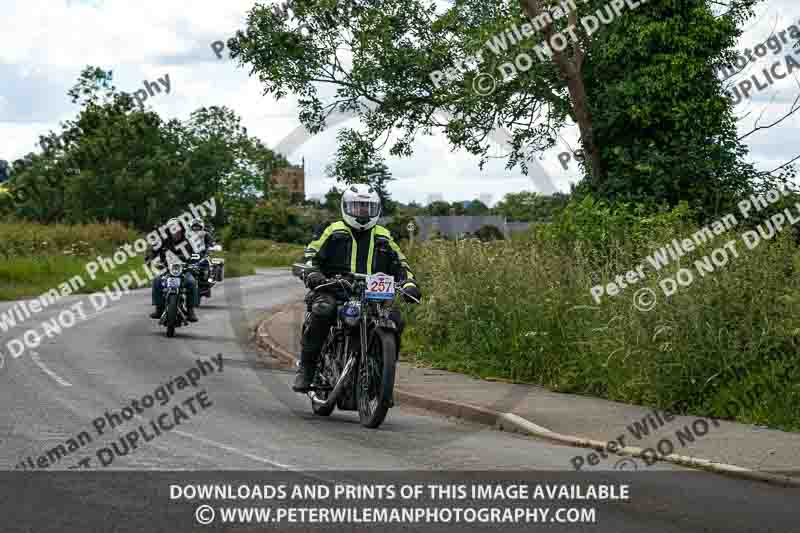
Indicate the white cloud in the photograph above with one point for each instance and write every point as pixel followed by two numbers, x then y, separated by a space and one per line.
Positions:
pixel 45 44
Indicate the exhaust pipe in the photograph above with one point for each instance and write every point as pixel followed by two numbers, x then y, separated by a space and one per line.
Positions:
pixel 337 389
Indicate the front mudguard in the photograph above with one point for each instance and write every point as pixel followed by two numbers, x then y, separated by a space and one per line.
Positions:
pixel 387 326
pixel 181 306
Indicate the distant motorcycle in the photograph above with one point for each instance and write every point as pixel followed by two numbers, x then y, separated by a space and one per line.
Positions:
pixel 211 272
pixel 357 363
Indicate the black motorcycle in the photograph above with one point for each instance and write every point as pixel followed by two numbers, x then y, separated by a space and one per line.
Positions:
pixel 176 293
pixel 357 363
pixel 210 272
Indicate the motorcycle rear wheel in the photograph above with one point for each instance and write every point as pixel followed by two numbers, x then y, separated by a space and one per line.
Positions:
pixel 376 379
pixel 172 314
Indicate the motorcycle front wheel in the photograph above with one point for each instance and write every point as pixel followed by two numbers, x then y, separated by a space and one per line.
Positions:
pixel 172 314
pixel 376 379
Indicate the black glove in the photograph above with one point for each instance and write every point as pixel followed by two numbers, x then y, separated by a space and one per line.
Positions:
pixel 411 290
pixel 315 279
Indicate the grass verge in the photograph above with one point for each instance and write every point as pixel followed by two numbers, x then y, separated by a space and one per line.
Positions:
pixel 726 345
pixel 35 258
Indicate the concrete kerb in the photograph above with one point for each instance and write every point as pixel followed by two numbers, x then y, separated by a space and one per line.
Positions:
pixel 515 423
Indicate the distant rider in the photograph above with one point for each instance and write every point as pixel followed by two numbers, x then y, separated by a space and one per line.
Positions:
pixel 176 243
pixel 202 242
pixel 350 242
pixel 201 239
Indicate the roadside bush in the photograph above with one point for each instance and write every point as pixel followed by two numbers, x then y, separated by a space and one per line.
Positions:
pixel 489 233
pixel 399 226
pixel 522 310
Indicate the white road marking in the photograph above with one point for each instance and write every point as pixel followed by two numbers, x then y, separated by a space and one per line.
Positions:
pixel 233 450
pixel 61 381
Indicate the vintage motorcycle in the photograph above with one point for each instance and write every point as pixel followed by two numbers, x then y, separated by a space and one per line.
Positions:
pixel 358 358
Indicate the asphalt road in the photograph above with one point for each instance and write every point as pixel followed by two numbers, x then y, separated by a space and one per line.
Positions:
pixel 251 421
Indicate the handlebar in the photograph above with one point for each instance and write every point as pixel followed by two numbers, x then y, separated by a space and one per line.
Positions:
pixel 301 270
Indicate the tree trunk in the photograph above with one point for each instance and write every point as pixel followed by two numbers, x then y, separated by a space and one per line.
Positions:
pixel 572 72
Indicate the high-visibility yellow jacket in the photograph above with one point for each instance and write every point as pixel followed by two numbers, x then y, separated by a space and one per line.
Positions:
pixel 340 250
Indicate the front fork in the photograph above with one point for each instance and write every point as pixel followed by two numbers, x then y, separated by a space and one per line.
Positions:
pixel 165 298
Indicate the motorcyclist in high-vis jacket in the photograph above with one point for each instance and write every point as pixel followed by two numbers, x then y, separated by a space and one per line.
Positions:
pixel 354 244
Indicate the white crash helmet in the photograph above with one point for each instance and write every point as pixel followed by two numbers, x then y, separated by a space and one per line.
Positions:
pixel 361 206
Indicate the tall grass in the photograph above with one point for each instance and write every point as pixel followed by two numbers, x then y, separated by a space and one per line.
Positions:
pixel 28 239
pixel 725 346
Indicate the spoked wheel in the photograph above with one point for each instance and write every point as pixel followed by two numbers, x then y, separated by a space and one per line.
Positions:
pixel 172 314
pixel 376 379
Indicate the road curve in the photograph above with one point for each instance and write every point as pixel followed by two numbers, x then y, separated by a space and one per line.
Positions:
pixel 254 422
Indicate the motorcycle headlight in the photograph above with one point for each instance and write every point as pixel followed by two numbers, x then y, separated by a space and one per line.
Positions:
pixel 351 313
pixel 175 269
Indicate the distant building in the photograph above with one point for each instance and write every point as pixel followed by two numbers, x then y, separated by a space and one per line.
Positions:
pixel 454 227
pixel 293 178
pixel 4 170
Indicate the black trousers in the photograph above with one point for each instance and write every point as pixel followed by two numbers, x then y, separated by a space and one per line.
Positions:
pixel 323 316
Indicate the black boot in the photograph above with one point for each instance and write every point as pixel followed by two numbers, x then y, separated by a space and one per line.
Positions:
pixel 158 312
pixel 190 315
pixel 305 372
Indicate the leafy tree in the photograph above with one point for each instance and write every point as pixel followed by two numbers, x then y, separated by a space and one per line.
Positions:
pixel 653 120
pixel 527 206
pixel 115 161
pixel 356 162
pixel 489 233
pixel 399 226
pixel 333 200
pixel 457 208
pixel 438 208
pixel 377 176
pixel 476 208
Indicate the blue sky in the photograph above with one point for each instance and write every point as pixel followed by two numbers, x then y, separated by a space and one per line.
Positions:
pixel 45 43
